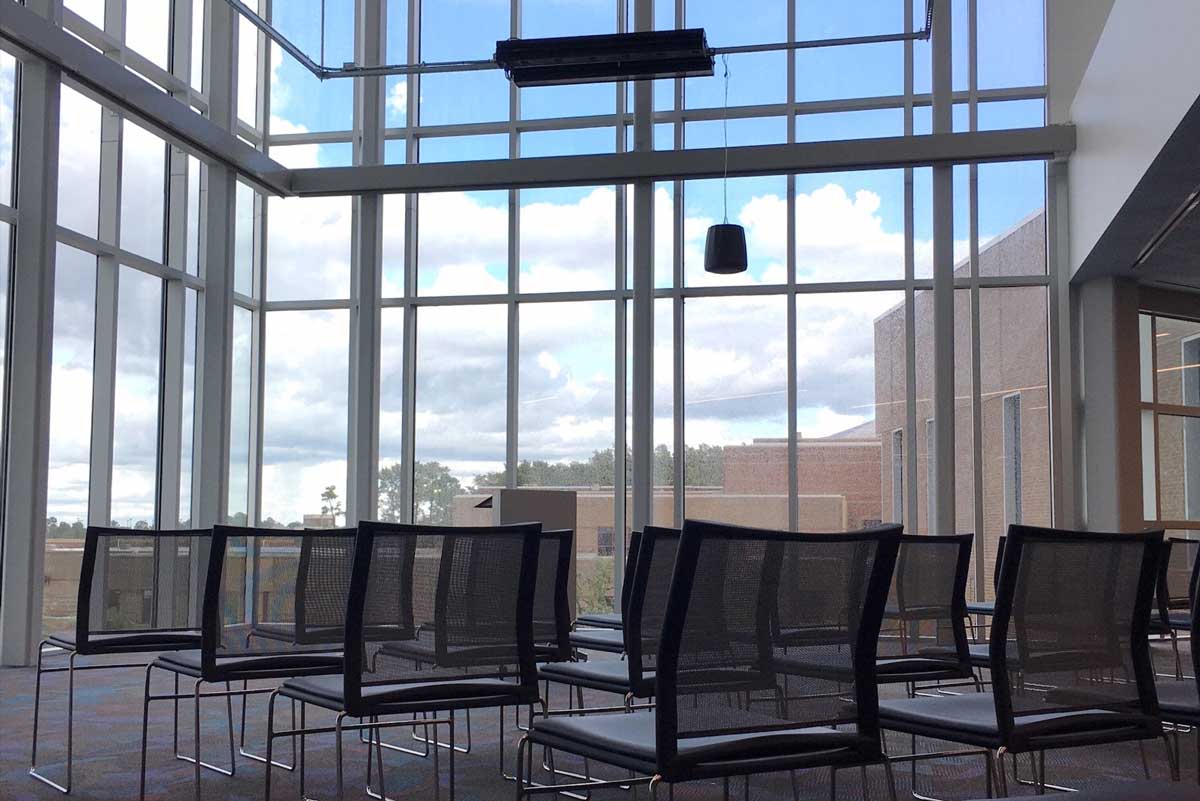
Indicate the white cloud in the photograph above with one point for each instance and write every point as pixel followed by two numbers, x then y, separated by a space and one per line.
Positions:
pixel 397 98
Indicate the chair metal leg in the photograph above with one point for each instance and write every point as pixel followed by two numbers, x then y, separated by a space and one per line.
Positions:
pixel 1173 762
pixel 242 732
pixel 269 764
pixel 337 746
pixel 37 696
pixel 891 778
pixel 1002 780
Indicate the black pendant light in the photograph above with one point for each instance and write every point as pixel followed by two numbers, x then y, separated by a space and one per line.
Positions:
pixel 725 245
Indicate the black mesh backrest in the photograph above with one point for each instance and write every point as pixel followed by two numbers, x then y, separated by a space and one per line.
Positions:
pixel 472 594
pixel 275 592
pixel 730 592
pixel 1179 574
pixel 552 601
pixel 1077 605
pixel 139 580
pixel 631 555
pixel 929 598
pixel 999 561
pixel 1195 628
pixel 650 588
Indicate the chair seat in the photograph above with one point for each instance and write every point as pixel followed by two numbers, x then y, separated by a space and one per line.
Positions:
pixel 1179 701
pixel 606 675
pixel 981 608
pixel 607 640
pixel 251 666
pixel 329 692
pixel 425 652
pixel 631 739
pixel 1180 621
pixel 128 642
pixel 601 620
pixel 1135 791
pixel 971 718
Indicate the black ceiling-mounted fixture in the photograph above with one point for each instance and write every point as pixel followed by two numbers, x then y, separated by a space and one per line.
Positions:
pixel 640 56
pixel 725 245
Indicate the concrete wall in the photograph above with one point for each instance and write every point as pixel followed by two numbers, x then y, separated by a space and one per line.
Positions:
pixel 1142 78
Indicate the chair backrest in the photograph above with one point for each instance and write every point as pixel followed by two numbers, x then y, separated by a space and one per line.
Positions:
pixel 472 593
pixel 999 561
pixel 716 664
pixel 650 587
pixel 1195 642
pixel 1180 571
pixel 275 592
pixel 631 555
pixel 929 597
pixel 551 600
pixel 139 580
pixel 1077 605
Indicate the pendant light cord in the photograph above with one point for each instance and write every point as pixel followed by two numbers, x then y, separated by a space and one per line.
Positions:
pixel 725 135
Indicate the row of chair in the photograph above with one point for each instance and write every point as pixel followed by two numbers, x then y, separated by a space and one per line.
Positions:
pixel 762 651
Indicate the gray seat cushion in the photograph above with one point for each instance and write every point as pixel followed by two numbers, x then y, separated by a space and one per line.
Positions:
pixel 601 620
pixel 633 735
pixel 1179 701
pixel 608 640
pixel 329 692
pixel 608 675
pixel 292 663
pixel 128 642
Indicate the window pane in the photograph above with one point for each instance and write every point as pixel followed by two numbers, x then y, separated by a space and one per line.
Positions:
pixel 247 71
pixel 462 243
pixel 849 226
pixel 188 416
pixel 850 398
pixel 192 245
pixel 1179 467
pixel 754 79
pixel 308 248
pixel 327 154
pixel 148 29
pixel 850 71
pixel 90 10
pixel 759 204
pixel 135 409
pixel 1013 368
pixel 454 98
pixel 460 408
pixel 5 255
pixel 198 41
pixel 573 142
pixel 1012 43
pixel 735 411
pixel 850 125
pixel 239 416
pixel 70 433
pixel 393 246
pixel 461 148
pixel 568 239
pixel 302 102
pixel 566 424
pixel 391 444
pixel 8 96
pixel 304 418
pixel 78 163
pixel 1177 343
pixel 245 230
pixel 1012 201
pixel 143 191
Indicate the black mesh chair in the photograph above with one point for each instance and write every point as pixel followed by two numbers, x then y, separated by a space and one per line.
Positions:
pixel 139 593
pixel 632 677
pixel 274 607
pixel 985 607
pixel 1180 700
pixel 720 706
pixel 1180 582
pixel 1078 606
pixel 615 620
pixel 927 640
pixel 473 589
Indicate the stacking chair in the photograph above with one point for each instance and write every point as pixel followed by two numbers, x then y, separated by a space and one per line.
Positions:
pixel 1078 606
pixel 1180 700
pixel 475 590
pixel 1181 575
pixel 615 620
pixel 632 677
pixel 1161 623
pixel 274 607
pixel 139 593
pixel 720 711
pixel 988 608
pixel 928 606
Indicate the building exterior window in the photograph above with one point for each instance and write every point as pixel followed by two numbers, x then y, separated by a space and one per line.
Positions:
pixel 898 476
pixel 1170 417
pixel 604 541
pixel 1012 459
pixel 930 473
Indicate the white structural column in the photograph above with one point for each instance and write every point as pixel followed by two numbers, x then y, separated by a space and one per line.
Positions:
pixel 643 297
pixel 31 336
pixel 1063 398
pixel 215 338
pixel 366 245
pixel 942 518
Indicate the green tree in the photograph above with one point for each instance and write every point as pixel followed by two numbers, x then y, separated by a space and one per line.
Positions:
pixel 331 505
pixel 434 489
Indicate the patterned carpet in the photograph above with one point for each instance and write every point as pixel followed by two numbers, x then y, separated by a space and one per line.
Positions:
pixel 108 723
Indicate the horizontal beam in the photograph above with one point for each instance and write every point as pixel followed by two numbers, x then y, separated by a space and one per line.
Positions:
pixel 1055 141
pixel 111 84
